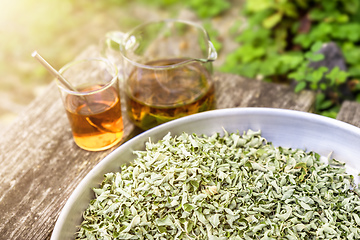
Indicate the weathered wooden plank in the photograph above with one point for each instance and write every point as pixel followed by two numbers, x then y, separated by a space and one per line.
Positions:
pixel 236 91
pixel 40 165
pixel 350 113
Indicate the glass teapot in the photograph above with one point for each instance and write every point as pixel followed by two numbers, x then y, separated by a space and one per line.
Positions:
pixel 166 67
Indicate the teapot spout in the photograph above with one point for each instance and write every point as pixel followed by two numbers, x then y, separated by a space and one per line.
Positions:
pixel 212 55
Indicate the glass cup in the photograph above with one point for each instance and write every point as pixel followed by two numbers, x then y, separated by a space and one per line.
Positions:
pixel 94 109
pixel 167 70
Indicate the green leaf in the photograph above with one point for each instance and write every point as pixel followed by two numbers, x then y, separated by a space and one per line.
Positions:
pixel 300 86
pixel 248 53
pixel 166 221
pixel 162 229
pixel 269 66
pixel 314 57
pixel 187 207
pixel 313 86
pixel 195 184
pixel 256 37
pixel 319 98
pixel 336 76
pixel 316 46
pixel 317 14
pixel 321 103
pixel 351 6
pixel 342 77
pixel 321 32
pixel 302 3
pixel 190 226
pixel 316 76
pixel 301 165
pixel 326 104
pixel 289 9
pixel 304 40
pixel 323 86
pixel 272 20
pixel 299 74
pixel 234 65
pixel 258 5
pixel 208 8
pixel 351 53
pixel 342 18
pixel 348 31
pixel 354 71
pixel 292 59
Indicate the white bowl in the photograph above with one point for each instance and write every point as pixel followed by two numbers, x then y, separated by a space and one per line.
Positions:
pixel 287 128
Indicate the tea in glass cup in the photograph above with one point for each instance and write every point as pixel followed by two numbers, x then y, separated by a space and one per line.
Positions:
pixel 94 109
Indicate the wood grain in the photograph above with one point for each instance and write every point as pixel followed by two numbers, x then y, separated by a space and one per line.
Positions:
pixel 350 113
pixel 40 165
pixel 236 91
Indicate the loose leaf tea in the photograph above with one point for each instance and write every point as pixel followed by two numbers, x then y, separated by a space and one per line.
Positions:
pixel 224 187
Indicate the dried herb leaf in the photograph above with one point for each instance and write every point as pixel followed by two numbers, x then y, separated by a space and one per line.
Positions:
pixel 224 187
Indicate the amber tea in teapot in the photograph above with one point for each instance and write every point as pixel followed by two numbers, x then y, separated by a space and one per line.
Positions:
pixel 155 97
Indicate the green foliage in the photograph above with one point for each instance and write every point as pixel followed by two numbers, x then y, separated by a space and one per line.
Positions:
pixel 203 8
pixel 158 3
pixel 208 8
pixel 283 37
